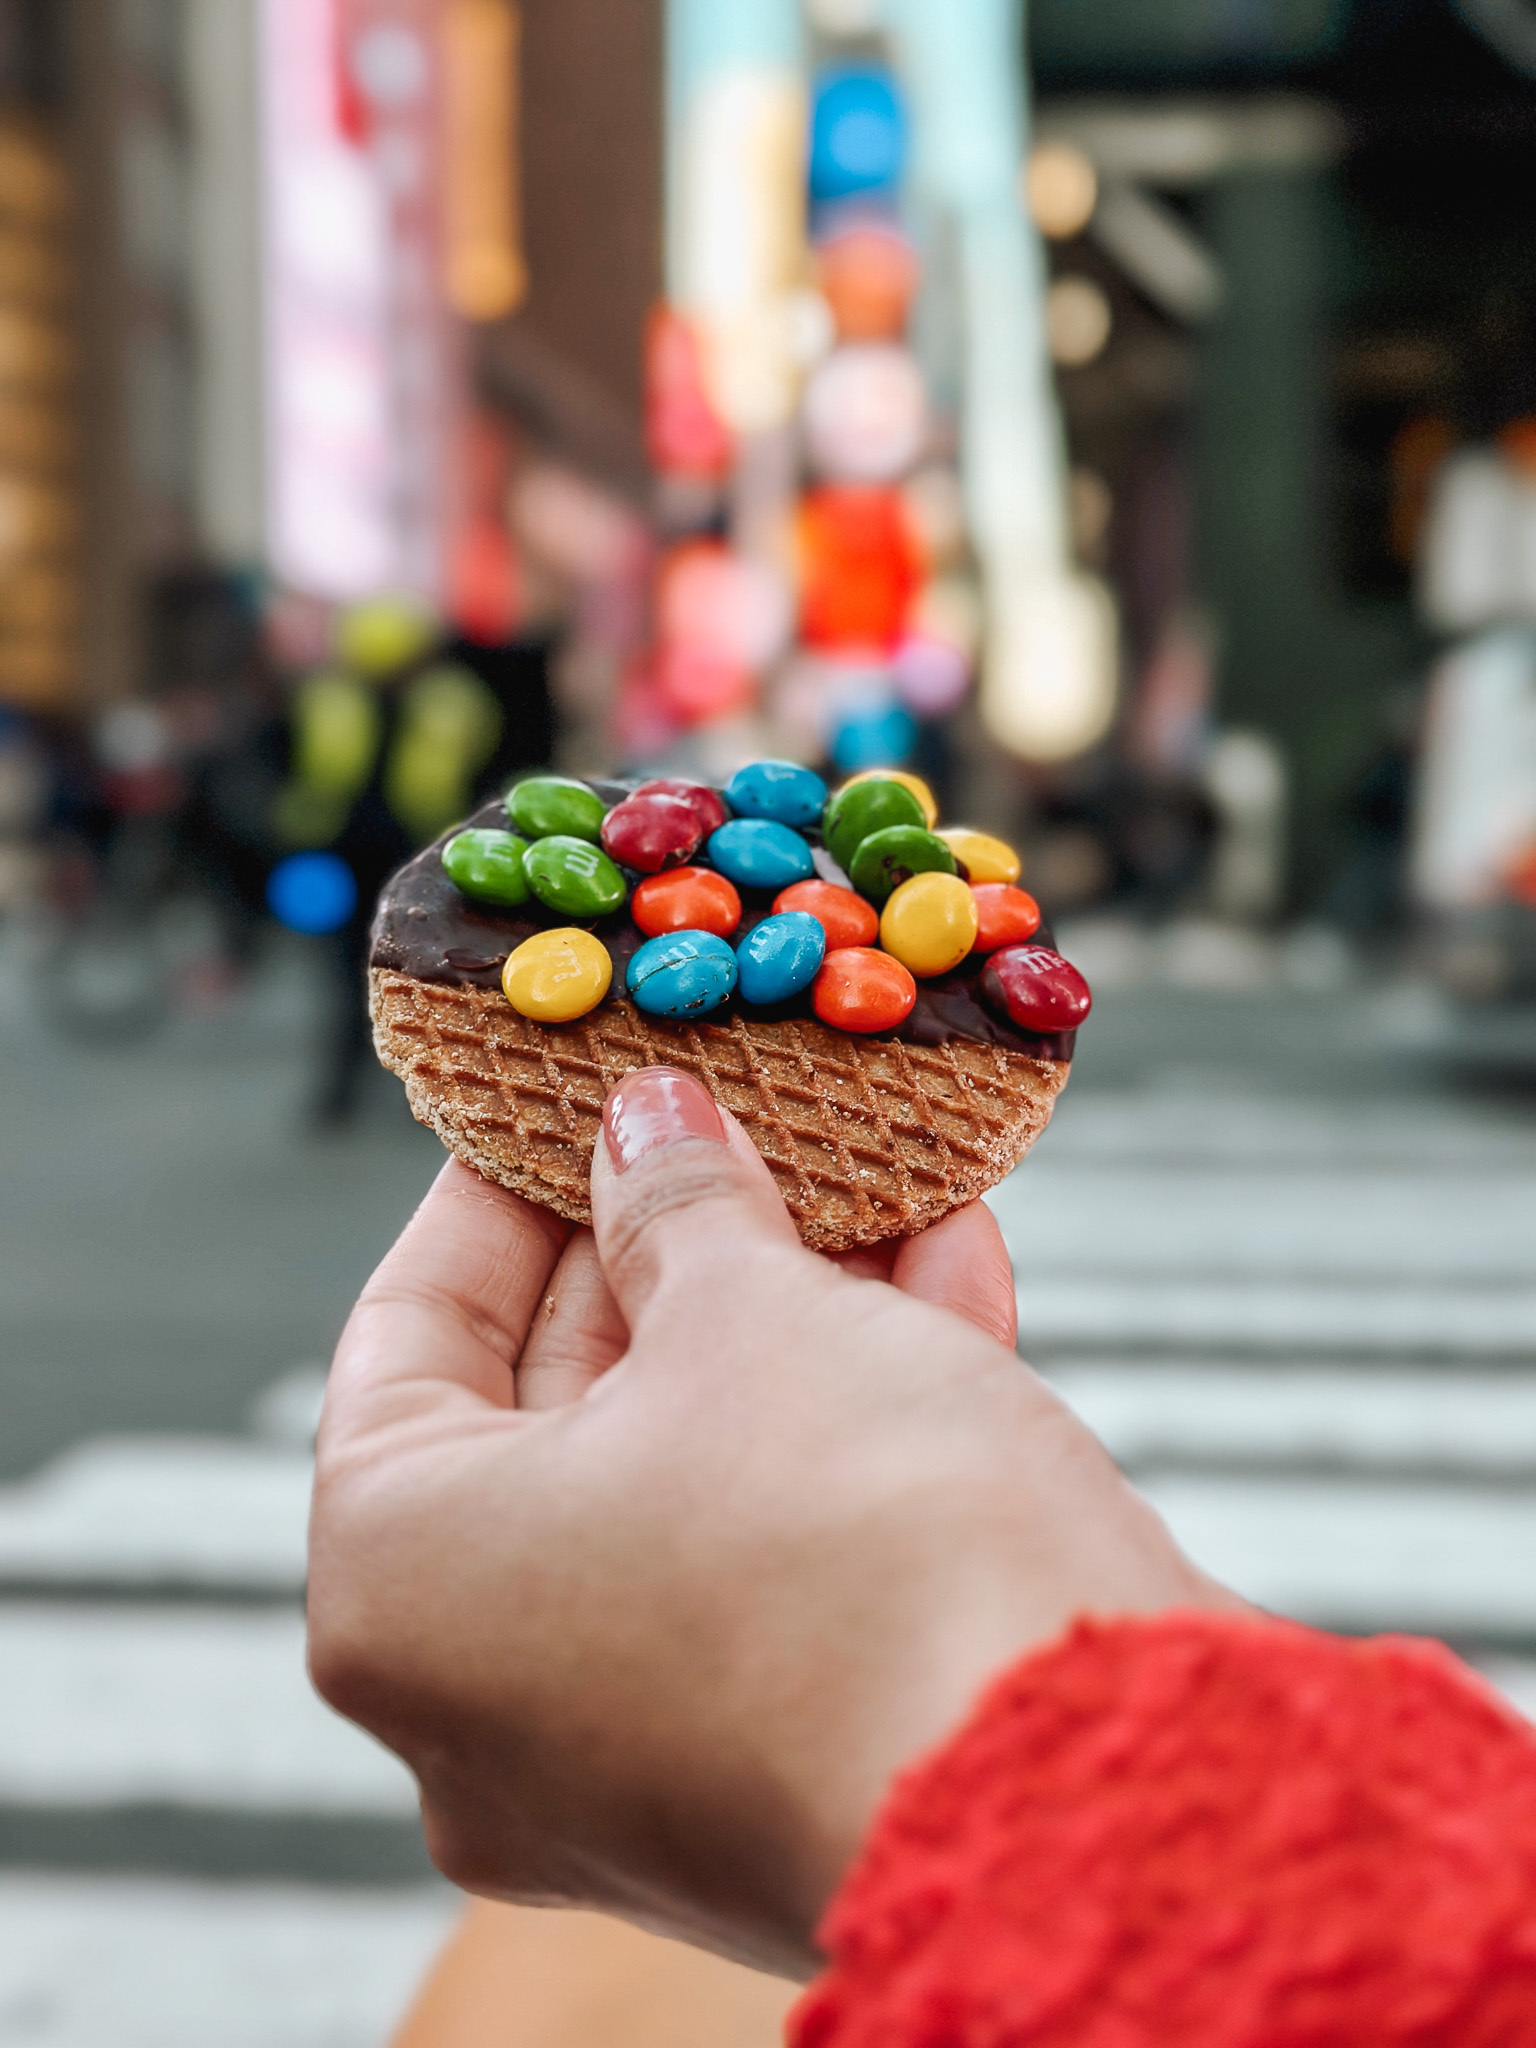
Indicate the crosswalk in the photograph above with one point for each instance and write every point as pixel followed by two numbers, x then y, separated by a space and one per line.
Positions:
pixel 1307 1330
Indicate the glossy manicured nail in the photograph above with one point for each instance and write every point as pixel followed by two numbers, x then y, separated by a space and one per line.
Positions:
pixel 657 1106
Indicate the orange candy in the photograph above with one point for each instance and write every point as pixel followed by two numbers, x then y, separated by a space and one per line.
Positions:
pixel 686 900
pixel 844 916
pixel 858 989
pixel 1005 916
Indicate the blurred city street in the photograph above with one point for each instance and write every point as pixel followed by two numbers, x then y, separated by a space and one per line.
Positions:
pixel 1275 1247
pixel 927 516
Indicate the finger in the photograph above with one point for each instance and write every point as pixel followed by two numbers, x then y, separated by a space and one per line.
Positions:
pixel 962 1263
pixel 577 1332
pixel 866 1261
pixel 445 1316
pixel 681 1199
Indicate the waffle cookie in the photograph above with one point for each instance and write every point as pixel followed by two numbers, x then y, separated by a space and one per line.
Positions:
pixel 866 1138
pixel 869 1133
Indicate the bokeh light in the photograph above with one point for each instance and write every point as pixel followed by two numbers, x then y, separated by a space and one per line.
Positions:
pixel 858 135
pixel 1061 190
pixel 1078 321
pixel 865 413
pixel 312 893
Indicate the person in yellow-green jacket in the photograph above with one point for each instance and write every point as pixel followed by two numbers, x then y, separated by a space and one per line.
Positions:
pixel 389 743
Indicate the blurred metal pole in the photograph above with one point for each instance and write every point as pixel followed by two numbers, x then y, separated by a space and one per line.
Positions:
pixel 220 66
pixel 1263 403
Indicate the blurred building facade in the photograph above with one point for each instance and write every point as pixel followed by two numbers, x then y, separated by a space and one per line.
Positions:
pixel 1297 278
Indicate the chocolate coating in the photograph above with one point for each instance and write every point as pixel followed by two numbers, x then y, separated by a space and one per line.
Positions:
pixel 425 928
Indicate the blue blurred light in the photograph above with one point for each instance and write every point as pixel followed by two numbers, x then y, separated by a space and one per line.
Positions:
pixel 874 736
pixel 858 135
pixel 312 892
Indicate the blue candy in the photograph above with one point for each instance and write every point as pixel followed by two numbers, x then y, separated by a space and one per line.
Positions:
pixel 777 789
pixel 760 853
pixel 780 956
pixel 681 974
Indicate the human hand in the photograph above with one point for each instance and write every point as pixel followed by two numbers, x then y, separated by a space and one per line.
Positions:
pixel 655 1552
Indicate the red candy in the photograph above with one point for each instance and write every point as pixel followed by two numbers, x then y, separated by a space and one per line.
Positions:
pixel 1036 989
pixel 707 805
pixel 686 900
pixel 858 989
pixel 651 833
pixel 844 916
pixel 1005 916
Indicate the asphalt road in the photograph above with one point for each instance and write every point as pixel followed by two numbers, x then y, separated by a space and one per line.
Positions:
pixel 1276 1247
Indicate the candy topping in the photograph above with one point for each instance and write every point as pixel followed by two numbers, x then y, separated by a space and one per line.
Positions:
pixel 685 974
pixel 860 808
pixel 923 903
pixel 1036 989
pixel 915 783
pixel 557 976
pixel 887 858
pixel 573 877
pixel 487 866
pixel 842 914
pixel 929 923
pixel 984 858
pixel 780 956
pixel 859 989
pixel 650 833
pixel 760 853
pixel 777 789
pixel 1005 916
pixel 706 803
pixel 546 804
pixel 686 899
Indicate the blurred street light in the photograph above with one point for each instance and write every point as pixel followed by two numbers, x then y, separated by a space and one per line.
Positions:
pixel 1060 188
pixel 1078 321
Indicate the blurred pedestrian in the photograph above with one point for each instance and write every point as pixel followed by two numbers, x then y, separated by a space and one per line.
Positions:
pixel 387 745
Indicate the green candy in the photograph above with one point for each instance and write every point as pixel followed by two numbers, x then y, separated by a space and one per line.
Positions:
pixel 487 866
pixel 886 859
pixel 573 877
pixel 862 808
pixel 555 804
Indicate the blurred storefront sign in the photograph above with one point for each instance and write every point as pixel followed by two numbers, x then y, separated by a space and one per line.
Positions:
pixel 332 529
pixel 40 515
pixel 389 133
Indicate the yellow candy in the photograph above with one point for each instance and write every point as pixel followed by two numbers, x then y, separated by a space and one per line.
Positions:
pixel 985 859
pixel 557 976
pixel 929 923
pixel 915 783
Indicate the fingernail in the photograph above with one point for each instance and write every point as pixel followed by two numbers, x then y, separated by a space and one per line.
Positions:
pixel 657 1106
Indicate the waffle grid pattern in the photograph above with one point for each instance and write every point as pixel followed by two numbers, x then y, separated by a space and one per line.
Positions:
pixel 865 1138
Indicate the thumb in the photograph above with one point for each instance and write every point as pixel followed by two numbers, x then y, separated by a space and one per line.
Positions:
pixel 681 1198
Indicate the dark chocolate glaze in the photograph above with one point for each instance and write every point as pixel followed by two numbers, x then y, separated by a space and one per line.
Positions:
pixel 425 928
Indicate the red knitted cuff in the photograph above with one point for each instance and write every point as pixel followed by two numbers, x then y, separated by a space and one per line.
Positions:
pixel 1202 1830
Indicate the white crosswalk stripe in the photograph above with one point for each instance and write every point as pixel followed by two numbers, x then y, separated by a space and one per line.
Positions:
pixel 1309 1332
pixel 132 1963
pixel 108 1706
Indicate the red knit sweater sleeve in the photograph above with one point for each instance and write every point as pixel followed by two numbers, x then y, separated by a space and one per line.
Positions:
pixel 1203 1831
